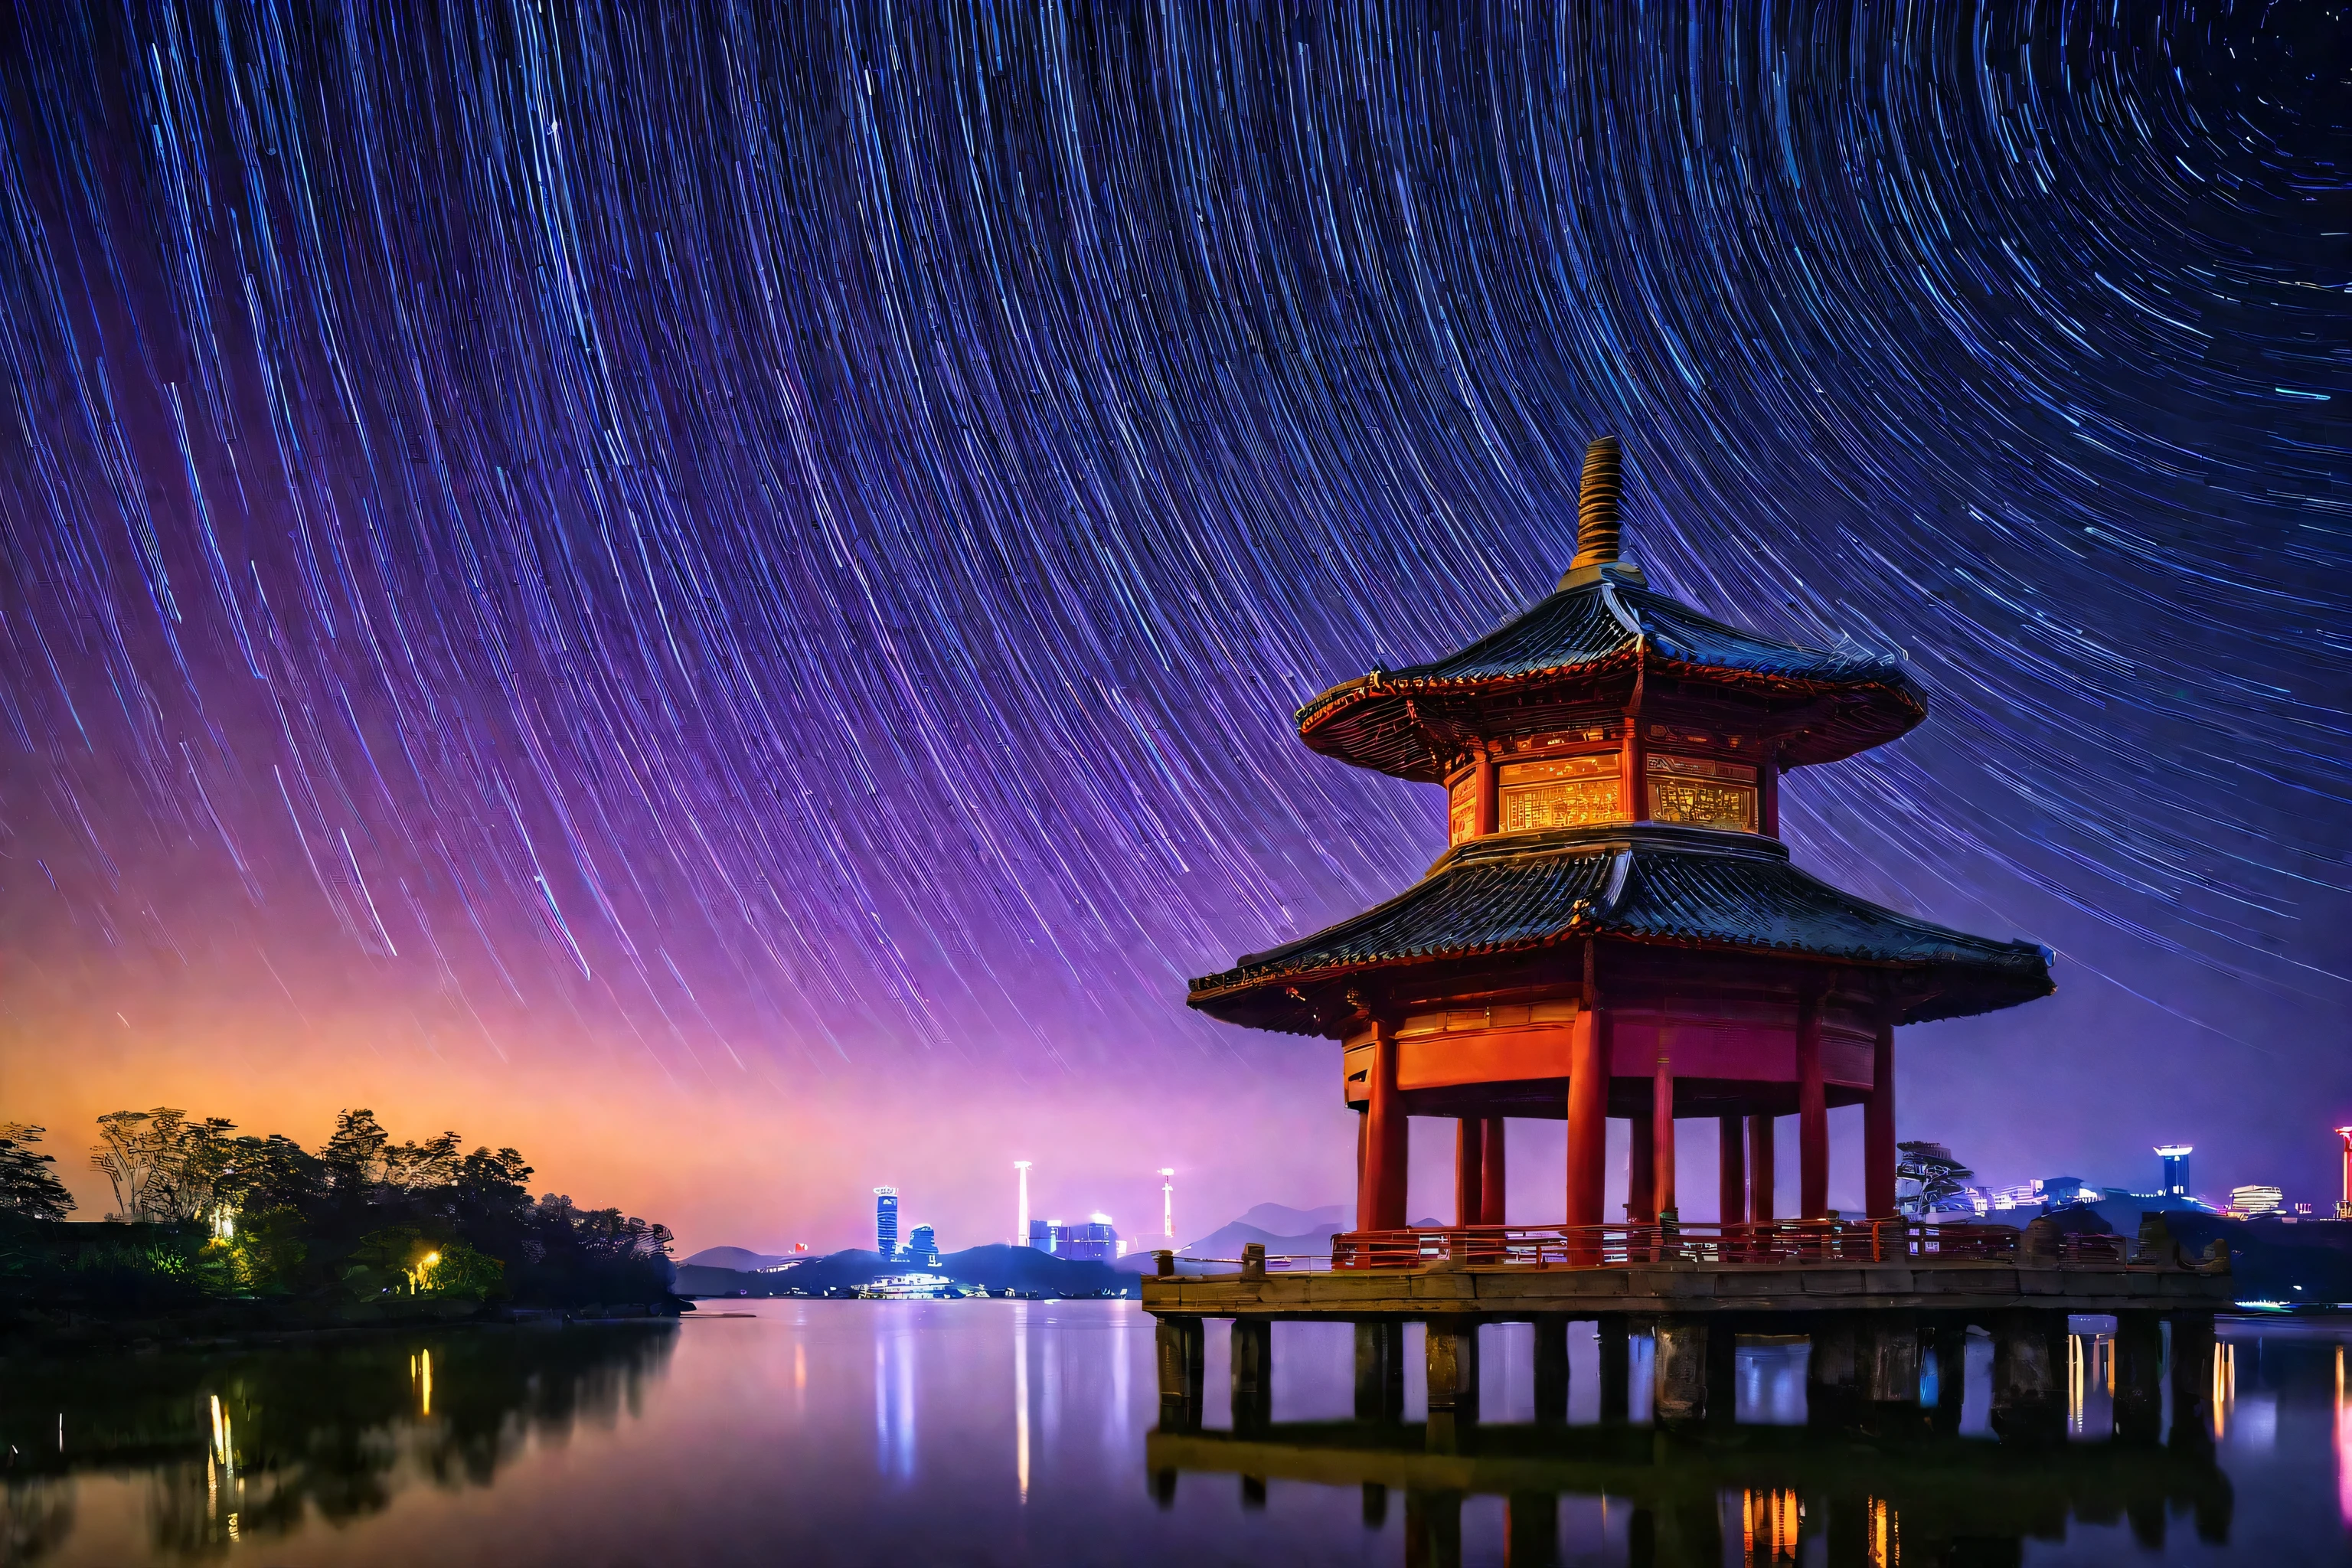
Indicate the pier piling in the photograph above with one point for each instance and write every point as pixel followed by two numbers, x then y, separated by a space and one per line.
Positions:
pixel 2192 1383
pixel 1616 1336
pixel 1679 1367
pixel 2028 1404
pixel 1253 1374
pixel 1181 1345
pixel 1380 1370
pixel 1551 1366
pixel 1452 1356
pixel 1830 1372
pixel 2140 1377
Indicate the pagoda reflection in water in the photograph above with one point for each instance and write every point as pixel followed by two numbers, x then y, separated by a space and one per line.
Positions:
pixel 1915 1491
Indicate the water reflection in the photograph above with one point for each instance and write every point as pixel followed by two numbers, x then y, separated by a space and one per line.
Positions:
pixel 2343 1444
pixel 854 1432
pixel 254 1445
pixel 1769 1523
pixel 1021 1397
pixel 1773 1489
pixel 1766 1488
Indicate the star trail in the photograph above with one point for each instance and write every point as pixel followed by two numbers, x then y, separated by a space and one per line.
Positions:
pixel 787 539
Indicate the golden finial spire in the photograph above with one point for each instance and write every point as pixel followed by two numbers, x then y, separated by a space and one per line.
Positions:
pixel 1596 505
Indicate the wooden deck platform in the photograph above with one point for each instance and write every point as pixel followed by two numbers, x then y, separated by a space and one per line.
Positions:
pixel 1508 1292
pixel 1502 1273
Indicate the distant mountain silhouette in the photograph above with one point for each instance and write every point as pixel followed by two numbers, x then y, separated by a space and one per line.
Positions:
pixel 1279 1220
pixel 1280 1229
pixel 996 1266
pixel 742 1259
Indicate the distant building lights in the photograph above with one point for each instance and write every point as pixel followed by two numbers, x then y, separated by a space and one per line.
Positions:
pixel 2247 1202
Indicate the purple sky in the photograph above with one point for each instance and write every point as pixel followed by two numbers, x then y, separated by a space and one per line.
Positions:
pixel 722 603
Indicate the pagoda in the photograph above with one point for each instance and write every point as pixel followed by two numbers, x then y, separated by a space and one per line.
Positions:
pixel 1615 929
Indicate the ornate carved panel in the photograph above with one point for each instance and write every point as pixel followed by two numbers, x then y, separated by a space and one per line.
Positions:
pixel 1461 810
pixel 1560 792
pixel 1702 792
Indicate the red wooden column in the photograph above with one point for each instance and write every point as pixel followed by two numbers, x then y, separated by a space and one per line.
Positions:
pixel 1363 1167
pixel 1661 1136
pixel 1642 1169
pixel 1384 1137
pixel 1760 1170
pixel 1490 1199
pixel 1878 1128
pixel 1587 1104
pixel 1812 1112
pixel 1629 781
pixel 1470 1171
pixel 1732 1171
pixel 1489 799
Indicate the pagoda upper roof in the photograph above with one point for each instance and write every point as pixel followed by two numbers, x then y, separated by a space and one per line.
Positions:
pixel 1648 882
pixel 1412 722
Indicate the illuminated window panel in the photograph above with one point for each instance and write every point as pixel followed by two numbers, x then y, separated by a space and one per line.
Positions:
pixel 1601 765
pixel 1461 810
pixel 1560 792
pixel 1701 793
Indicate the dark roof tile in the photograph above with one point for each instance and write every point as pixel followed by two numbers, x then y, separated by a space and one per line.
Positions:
pixel 1647 881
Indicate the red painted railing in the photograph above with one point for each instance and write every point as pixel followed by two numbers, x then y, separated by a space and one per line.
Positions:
pixel 1778 1244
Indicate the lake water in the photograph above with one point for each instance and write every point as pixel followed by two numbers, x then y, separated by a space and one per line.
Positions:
pixel 1008 1432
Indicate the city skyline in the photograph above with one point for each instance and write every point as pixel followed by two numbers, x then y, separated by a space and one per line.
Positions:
pixel 2320 1203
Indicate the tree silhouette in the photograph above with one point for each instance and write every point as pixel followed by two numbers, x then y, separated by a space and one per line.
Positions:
pixel 27 1186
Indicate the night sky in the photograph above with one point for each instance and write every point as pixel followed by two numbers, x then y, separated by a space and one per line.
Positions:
pixel 721 596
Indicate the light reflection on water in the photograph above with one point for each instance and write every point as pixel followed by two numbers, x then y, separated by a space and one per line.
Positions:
pixel 855 1432
pixel 2343 1443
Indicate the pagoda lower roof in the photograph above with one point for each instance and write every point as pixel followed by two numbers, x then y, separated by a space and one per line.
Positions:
pixel 1648 882
pixel 1408 721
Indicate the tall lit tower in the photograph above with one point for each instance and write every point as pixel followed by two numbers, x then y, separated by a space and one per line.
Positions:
pixel 2343 1203
pixel 1168 1197
pixel 886 1222
pixel 1021 1227
pixel 2176 1169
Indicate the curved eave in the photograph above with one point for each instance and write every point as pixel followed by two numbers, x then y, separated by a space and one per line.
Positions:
pixel 1407 725
pixel 1573 886
pixel 1248 1003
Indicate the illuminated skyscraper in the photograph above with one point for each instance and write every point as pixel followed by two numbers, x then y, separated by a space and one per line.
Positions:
pixel 1021 1225
pixel 1168 1205
pixel 923 1246
pixel 2250 1201
pixel 1095 1241
pixel 886 1222
pixel 2176 1169
pixel 2343 1203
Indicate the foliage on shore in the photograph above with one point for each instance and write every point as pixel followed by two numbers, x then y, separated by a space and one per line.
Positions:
pixel 205 1214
